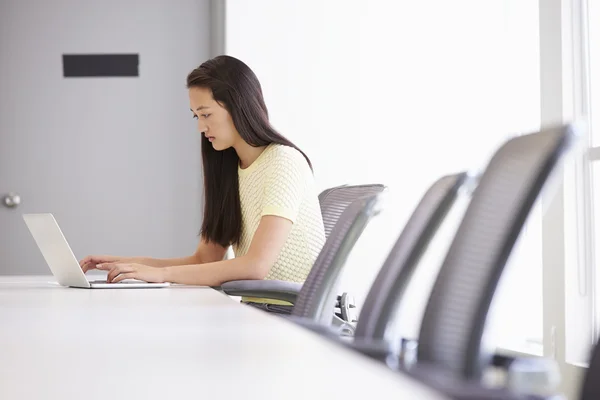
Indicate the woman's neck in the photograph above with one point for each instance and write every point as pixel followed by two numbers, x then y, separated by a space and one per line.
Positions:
pixel 247 154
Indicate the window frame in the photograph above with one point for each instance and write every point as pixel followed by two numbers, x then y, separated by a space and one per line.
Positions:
pixel 568 273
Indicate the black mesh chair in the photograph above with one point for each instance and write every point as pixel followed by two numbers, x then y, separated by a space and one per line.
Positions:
pixel 454 319
pixel 392 280
pixel 373 335
pixel 335 200
pixel 450 354
pixel 317 298
pixel 451 336
pixel 346 213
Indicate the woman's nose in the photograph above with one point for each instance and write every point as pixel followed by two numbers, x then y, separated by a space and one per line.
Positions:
pixel 202 127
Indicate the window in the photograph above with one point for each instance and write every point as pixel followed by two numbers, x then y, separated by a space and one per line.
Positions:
pixel 582 226
pixel 593 89
pixel 583 316
pixel 516 318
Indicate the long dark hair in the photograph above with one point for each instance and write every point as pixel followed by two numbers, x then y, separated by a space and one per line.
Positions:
pixel 235 87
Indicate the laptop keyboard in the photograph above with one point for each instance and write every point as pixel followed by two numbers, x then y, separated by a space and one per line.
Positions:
pixel 104 281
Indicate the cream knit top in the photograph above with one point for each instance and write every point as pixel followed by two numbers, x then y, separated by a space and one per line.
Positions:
pixel 280 182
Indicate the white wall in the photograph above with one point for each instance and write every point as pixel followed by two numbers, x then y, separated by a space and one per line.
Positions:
pixel 398 92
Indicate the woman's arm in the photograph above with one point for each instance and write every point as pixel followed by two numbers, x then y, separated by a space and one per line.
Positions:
pixel 269 239
pixel 270 236
pixel 205 253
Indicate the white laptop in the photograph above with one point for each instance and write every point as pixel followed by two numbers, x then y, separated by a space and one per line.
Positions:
pixel 62 261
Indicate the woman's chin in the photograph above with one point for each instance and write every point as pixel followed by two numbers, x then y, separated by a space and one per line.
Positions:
pixel 218 147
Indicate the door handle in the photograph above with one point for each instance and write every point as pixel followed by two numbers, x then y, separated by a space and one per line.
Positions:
pixel 11 200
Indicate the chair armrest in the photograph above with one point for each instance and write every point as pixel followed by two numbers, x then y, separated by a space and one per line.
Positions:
pixel 267 289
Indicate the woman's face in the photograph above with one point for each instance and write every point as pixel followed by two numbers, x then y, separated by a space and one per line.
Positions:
pixel 214 121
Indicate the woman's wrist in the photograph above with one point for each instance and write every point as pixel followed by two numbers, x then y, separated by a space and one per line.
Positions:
pixel 167 273
pixel 143 260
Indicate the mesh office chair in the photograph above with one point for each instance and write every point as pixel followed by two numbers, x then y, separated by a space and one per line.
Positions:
pixel 453 322
pixel 373 336
pixel 353 207
pixel 390 284
pixel 449 353
pixel 317 298
pixel 333 203
pixel 335 200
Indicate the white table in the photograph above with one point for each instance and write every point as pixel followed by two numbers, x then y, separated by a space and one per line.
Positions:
pixel 174 343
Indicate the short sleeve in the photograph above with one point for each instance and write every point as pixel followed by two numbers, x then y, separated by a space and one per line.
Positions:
pixel 285 185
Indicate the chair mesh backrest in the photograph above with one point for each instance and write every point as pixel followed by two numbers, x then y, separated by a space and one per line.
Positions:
pixel 317 297
pixel 590 389
pixel 387 290
pixel 455 315
pixel 334 201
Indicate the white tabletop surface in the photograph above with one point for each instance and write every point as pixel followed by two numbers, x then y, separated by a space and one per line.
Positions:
pixel 174 343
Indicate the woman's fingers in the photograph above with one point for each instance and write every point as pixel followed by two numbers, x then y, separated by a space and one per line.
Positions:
pixel 87 266
pixel 115 269
pixel 122 276
pixel 89 263
pixel 84 261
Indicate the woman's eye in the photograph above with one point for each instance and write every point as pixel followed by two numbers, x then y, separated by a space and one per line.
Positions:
pixel 205 115
pixel 195 116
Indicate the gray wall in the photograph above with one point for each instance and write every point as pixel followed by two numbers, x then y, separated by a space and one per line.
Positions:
pixel 117 160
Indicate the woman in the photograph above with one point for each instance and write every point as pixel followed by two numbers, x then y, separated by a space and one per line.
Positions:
pixel 260 195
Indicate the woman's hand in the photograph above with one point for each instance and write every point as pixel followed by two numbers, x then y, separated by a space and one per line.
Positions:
pixel 91 262
pixel 118 271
